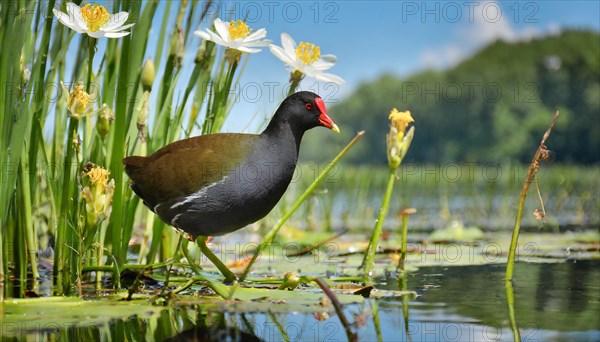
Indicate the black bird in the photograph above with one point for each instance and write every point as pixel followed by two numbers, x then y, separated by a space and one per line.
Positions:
pixel 217 183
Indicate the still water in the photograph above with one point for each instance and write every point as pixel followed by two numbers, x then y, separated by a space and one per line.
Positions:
pixel 553 302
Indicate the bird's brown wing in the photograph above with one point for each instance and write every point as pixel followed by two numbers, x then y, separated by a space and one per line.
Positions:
pixel 186 166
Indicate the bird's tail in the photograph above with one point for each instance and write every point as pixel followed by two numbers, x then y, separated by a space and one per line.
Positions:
pixel 133 165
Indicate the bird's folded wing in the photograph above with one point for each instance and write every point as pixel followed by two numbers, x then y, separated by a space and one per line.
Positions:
pixel 181 169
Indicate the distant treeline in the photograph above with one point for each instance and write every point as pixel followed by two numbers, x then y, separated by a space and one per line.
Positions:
pixel 494 106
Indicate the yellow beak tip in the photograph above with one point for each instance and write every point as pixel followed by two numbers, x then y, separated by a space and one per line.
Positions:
pixel 335 128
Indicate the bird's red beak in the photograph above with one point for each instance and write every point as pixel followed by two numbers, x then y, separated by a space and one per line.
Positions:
pixel 324 119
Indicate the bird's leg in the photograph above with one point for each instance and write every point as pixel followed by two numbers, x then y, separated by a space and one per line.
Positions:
pixel 229 276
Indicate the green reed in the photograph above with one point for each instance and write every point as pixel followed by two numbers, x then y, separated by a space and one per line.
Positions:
pixel 137 99
pixel 540 154
pixel 45 149
pixel 485 201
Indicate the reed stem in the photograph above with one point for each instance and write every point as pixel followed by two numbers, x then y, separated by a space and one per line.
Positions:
pixel 28 215
pixel 533 168
pixel 369 259
pixel 510 300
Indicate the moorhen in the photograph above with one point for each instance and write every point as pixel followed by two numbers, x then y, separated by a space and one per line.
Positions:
pixel 217 183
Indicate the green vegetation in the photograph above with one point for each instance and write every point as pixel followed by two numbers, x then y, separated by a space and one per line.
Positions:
pixel 63 140
pixel 491 107
pixel 62 183
pixel 398 143
pixel 481 195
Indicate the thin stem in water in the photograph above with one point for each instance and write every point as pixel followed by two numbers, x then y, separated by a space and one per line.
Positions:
pixel 533 168
pixel 369 258
pixel 338 308
pixel 510 300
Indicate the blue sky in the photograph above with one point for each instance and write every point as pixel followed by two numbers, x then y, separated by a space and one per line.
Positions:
pixel 375 37
pixel 402 37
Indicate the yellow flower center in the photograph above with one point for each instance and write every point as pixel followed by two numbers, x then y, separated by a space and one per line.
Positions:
pixel 238 29
pixel 79 99
pixel 98 176
pixel 94 16
pixel 308 53
pixel 400 120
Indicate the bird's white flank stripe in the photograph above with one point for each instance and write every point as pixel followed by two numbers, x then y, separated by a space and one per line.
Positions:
pixel 174 220
pixel 198 194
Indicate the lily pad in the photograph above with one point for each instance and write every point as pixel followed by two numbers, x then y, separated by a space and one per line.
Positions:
pixel 21 316
pixel 457 231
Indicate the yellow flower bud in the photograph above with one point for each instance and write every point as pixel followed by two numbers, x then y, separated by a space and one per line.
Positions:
pixel 98 177
pixel 177 47
pixel 104 120
pixel 79 99
pixel 25 72
pixel 397 142
pixel 142 118
pixel 201 52
pixel 400 120
pixel 148 75
pixel 98 193
pixel 290 281
pixel 79 102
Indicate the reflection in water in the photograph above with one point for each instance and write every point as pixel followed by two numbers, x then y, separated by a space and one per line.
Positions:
pixel 403 284
pixel 552 301
pixel 578 278
pixel 510 301
pixel 376 321
pixel 213 334
pixel 543 293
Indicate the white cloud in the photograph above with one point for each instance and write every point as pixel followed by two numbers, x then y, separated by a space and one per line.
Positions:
pixel 483 28
pixel 449 54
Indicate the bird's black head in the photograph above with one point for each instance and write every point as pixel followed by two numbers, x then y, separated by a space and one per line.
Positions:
pixel 304 110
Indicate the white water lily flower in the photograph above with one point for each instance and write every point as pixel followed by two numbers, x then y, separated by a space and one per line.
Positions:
pixel 94 20
pixel 305 58
pixel 235 35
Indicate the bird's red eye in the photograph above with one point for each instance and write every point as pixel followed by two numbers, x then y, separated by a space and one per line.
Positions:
pixel 309 106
